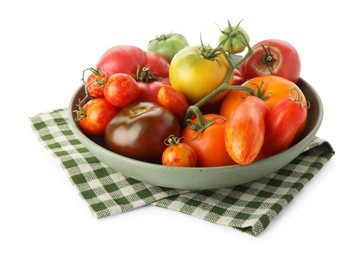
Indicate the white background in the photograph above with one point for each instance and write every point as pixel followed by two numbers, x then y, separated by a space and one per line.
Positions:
pixel 44 47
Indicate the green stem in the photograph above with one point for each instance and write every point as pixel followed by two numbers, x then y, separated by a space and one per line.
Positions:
pixel 194 109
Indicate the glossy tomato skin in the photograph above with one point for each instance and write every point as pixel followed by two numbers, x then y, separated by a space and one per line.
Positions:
pixel 148 91
pixel 99 112
pixel 274 87
pixel 238 78
pixel 168 45
pixel 209 144
pixel 284 124
pixel 138 131
pixel 157 64
pixel 273 57
pixel 173 100
pixel 179 155
pixel 245 130
pixel 195 76
pixel 122 59
pixel 95 83
pixel 121 89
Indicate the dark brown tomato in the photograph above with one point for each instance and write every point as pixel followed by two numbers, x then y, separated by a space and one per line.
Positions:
pixel 138 131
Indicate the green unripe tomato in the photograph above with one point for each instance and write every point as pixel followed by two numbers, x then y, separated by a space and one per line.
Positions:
pixel 233 39
pixel 168 45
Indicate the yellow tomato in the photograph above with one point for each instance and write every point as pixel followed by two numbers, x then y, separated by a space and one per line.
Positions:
pixel 195 76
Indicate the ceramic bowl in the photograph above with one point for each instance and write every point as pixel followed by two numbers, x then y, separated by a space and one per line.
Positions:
pixel 202 177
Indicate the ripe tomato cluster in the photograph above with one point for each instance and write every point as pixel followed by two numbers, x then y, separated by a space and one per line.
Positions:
pixel 201 109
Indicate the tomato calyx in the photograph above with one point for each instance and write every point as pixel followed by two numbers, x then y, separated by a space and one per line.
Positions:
pixel 201 124
pixel 209 53
pixel 80 112
pixel 267 58
pixel 145 75
pixel 137 111
pixel 295 94
pixel 163 37
pixel 172 140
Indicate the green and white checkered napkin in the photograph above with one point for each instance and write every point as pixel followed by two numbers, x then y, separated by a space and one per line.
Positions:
pixel 249 208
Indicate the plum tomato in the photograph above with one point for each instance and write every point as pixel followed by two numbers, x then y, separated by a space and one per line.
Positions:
pixel 138 131
pixel 208 144
pixel 94 116
pixel 284 124
pixel 273 57
pixel 178 154
pixel 270 88
pixel 168 45
pixel 121 89
pixel 173 100
pixel 245 130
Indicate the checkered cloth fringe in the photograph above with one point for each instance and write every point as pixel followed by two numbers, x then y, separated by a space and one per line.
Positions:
pixel 249 207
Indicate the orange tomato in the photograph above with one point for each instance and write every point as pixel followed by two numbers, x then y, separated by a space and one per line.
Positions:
pixel 179 155
pixel 274 88
pixel 209 145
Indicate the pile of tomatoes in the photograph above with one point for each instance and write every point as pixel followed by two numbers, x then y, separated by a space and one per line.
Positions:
pixel 196 106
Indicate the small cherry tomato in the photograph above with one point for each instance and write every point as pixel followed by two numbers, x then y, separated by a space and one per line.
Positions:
pixel 95 115
pixel 209 143
pixel 173 100
pixel 95 82
pixel 245 130
pixel 284 124
pixel 121 89
pixel 178 154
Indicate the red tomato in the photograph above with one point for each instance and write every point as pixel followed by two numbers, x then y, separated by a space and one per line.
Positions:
pixel 121 89
pixel 122 59
pixel 95 116
pixel 178 154
pixel 284 125
pixel 273 57
pixel 238 78
pixel 173 100
pixel 245 130
pixel 157 64
pixel 149 83
pixel 148 92
pixel 209 144
pixel 95 82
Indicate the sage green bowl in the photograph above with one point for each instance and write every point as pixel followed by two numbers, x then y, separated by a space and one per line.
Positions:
pixel 202 177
